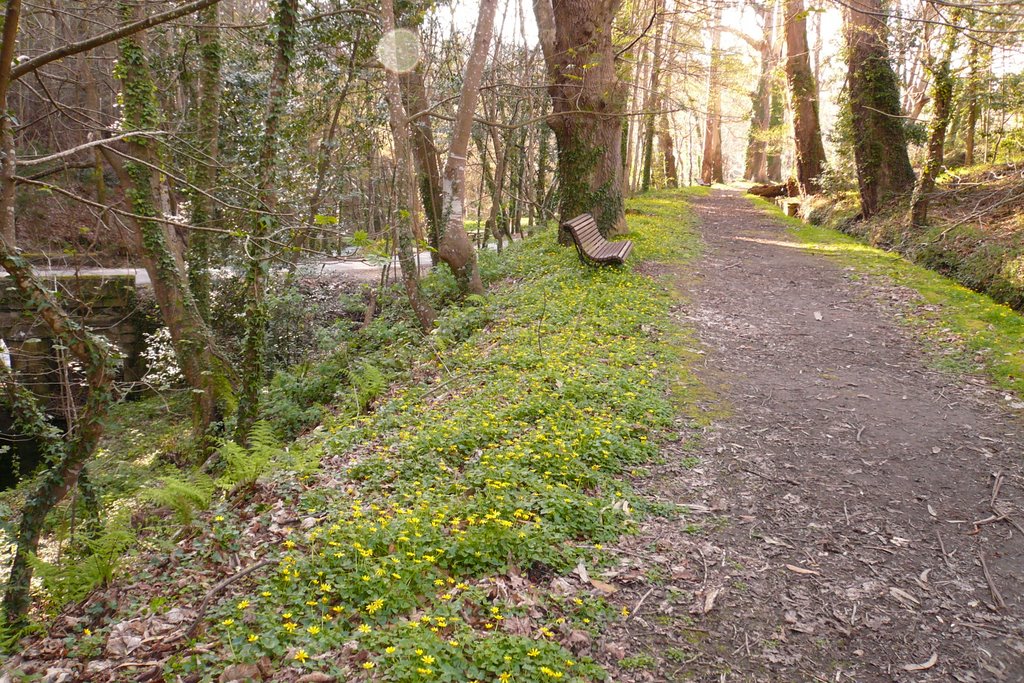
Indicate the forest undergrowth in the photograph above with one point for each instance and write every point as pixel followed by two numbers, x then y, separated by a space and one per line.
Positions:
pixel 450 532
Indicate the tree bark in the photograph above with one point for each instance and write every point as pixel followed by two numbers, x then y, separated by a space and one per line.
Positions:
pixel 424 153
pixel 712 167
pixel 653 99
pixel 205 176
pixel 879 141
pixel 401 228
pixel 192 340
pixel 587 101
pixel 810 153
pixel 253 370
pixel 943 82
pixel 760 122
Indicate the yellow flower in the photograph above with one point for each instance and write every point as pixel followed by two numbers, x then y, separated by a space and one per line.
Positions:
pixel 290 626
pixel 505 677
pixel 219 518
pixel 243 604
pixel 368 665
pixel 533 653
pixel 313 630
pixel 427 659
pixel 227 622
pixel 390 649
pixel 363 628
pixel 87 632
pixel 253 638
pixel 301 656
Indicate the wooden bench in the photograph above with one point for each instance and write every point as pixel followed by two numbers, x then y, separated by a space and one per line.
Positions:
pixel 592 246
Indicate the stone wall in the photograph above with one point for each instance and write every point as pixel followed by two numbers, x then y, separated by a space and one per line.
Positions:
pixel 107 304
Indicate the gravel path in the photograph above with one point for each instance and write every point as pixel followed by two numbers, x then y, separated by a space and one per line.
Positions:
pixel 832 533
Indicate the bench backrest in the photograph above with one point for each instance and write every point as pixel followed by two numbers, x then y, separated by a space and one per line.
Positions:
pixel 585 230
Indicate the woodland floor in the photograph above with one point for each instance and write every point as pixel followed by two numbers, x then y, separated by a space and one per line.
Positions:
pixel 843 498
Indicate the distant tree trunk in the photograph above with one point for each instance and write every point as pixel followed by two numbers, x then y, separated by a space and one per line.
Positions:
pixel 456 249
pixel 712 169
pixel 653 99
pixel 587 101
pixel 401 228
pixel 943 82
pixel 539 188
pixel 810 153
pixel 205 176
pixel 760 123
pixel 668 152
pixel 879 141
pixel 975 87
pixel 424 152
pixel 264 223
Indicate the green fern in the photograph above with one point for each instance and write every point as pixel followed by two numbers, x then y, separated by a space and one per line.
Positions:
pixel 366 382
pixel 92 563
pixel 185 497
pixel 243 466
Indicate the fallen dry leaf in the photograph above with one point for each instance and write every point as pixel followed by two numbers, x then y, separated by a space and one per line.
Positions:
pixel 605 588
pixel 924 666
pixel 801 570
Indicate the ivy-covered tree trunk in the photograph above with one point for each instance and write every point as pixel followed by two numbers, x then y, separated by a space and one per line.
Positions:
pixel 193 343
pixel 668 151
pixel 879 140
pixel 205 176
pixel 712 168
pixel 455 248
pixel 401 228
pixel 810 152
pixel 67 458
pixel 265 221
pixel 588 102
pixel 978 59
pixel 943 83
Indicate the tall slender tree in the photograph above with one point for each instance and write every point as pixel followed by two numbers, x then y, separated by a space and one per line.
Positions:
pixel 803 91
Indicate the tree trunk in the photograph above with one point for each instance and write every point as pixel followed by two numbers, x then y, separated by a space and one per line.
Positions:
pixel 975 87
pixel 653 98
pixel 810 153
pixel 587 103
pixel 401 228
pixel 205 177
pixel 193 342
pixel 253 371
pixel 668 152
pixel 424 153
pixel 456 249
pixel 879 142
pixel 760 123
pixel 712 168
pixel 943 82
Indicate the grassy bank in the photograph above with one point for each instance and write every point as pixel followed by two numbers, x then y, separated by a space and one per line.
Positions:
pixel 975 234
pixel 989 334
pixel 428 543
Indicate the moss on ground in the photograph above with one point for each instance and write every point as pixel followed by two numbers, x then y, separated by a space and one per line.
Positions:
pixel 990 334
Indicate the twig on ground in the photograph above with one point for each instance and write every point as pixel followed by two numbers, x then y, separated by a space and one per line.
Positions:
pixel 639 604
pixel 217 589
pixel 996 597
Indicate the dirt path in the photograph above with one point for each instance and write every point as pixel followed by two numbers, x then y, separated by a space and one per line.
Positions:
pixel 834 503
